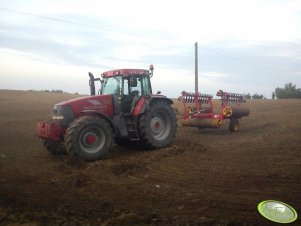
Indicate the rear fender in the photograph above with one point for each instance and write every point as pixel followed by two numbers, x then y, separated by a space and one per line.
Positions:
pixel 144 103
pixel 101 115
pixel 162 98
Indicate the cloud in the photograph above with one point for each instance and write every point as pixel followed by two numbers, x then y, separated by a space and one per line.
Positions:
pixel 242 45
pixel 212 75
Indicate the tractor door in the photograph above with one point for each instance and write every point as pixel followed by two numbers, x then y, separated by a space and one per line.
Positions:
pixel 112 86
pixel 132 87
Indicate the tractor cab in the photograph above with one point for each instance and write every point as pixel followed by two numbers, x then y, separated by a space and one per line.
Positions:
pixel 126 85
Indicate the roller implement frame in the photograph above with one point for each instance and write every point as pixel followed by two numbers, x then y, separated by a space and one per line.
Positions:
pixel 202 114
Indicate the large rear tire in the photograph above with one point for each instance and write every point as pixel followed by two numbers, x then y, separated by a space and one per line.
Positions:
pixel 88 137
pixel 157 127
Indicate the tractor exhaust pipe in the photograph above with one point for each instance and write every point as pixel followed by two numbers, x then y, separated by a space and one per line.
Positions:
pixel 92 84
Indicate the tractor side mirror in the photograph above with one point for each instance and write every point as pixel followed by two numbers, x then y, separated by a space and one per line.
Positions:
pixel 133 81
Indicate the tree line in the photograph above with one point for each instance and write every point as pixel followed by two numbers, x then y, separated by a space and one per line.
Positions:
pixel 254 96
pixel 50 91
pixel 289 91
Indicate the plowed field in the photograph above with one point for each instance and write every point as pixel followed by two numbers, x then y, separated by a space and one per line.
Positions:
pixel 207 177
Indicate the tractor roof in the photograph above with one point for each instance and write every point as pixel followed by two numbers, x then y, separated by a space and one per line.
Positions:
pixel 124 72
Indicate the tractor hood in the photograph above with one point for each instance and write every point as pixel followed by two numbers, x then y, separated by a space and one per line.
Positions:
pixel 101 104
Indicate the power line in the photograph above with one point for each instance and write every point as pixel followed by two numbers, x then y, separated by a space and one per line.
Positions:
pixel 244 61
pixel 68 22
pixel 51 18
pixel 137 35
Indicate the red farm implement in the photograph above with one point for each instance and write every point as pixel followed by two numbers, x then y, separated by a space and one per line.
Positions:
pixel 198 107
pixel 202 114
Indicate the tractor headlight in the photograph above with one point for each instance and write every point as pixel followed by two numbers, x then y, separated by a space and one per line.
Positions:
pixel 58 117
pixel 63 115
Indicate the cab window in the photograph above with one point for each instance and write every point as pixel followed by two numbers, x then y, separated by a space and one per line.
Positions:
pixel 112 86
pixel 146 85
pixel 131 84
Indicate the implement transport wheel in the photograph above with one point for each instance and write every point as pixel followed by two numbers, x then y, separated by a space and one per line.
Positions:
pixel 89 137
pixel 234 125
pixel 157 127
pixel 54 147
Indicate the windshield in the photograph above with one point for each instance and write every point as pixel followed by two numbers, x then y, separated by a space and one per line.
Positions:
pixel 111 85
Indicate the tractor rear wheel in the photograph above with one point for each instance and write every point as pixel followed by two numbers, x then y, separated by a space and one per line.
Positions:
pixel 234 125
pixel 157 127
pixel 54 147
pixel 88 137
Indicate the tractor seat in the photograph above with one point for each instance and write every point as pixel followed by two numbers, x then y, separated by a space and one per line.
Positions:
pixel 134 93
pixel 130 101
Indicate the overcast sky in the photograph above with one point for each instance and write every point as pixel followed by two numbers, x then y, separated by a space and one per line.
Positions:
pixel 244 46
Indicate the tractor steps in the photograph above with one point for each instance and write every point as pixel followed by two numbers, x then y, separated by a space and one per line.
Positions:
pixel 132 129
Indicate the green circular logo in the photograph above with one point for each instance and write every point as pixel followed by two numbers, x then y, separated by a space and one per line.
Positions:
pixel 276 211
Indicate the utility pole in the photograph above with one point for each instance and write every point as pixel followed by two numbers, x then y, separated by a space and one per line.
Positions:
pixel 196 69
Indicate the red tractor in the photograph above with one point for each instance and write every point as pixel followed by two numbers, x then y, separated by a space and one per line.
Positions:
pixel 124 111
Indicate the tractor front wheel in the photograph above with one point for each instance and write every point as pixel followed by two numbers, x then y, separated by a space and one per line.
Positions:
pixel 157 127
pixel 88 137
